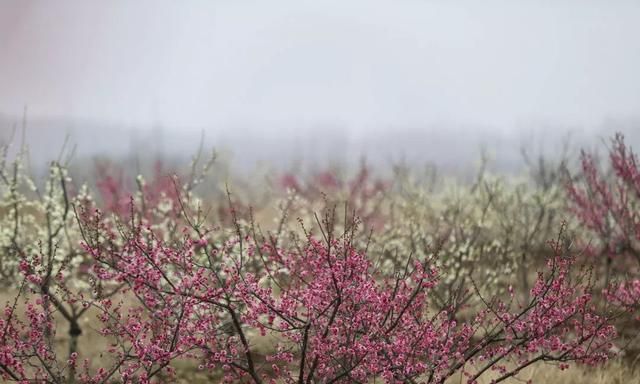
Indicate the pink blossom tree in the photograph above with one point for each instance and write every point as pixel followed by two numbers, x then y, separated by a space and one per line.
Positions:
pixel 607 205
pixel 332 317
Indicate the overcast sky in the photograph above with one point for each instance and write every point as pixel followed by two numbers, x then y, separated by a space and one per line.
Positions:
pixel 355 64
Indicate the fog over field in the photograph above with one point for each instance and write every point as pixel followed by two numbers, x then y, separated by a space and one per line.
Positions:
pixel 284 80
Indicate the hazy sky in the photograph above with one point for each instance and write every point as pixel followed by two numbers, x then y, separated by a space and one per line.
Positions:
pixel 349 63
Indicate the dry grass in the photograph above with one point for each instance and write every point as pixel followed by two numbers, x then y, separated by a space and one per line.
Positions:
pixel 616 371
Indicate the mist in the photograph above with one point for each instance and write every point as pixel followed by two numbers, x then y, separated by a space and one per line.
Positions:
pixel 283 80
